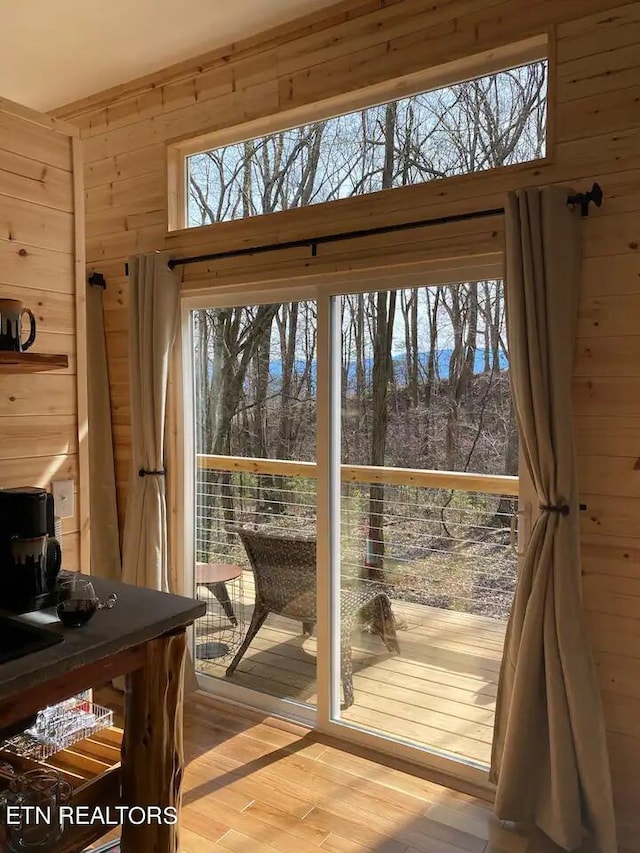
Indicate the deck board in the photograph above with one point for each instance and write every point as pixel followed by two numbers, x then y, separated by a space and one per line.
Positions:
pixel 439 692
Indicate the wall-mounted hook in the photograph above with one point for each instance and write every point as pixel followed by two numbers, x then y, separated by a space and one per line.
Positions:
pixel 96 279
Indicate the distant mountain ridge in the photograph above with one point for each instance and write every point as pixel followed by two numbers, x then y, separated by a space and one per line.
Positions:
pixel 399 365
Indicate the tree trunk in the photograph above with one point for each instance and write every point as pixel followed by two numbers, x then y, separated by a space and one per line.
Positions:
pixel 432 372
pixel 288 329
pixel 409 308
pixel 455 369
pixel 415 361
pixel 511 465
pixel 236 337
pixel 496 324
pixel 382 372
pixel 361 380
pixel 487 321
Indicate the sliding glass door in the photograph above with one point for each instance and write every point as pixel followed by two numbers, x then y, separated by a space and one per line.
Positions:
pixel 254 478
pixel 355 495
pixel 427 494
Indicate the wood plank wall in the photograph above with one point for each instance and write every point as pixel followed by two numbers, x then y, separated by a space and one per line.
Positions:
pixel 595 135
pixel 39 412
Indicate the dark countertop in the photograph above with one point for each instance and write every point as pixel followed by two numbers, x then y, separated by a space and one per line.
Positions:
pixel 139 615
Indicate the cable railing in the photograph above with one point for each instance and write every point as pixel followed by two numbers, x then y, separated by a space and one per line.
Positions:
pixel 434 538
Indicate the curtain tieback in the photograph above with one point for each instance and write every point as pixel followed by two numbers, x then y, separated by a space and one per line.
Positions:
pixel 561 509
pixel 143 472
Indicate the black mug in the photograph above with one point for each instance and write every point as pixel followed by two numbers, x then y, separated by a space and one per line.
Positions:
pixel 11 312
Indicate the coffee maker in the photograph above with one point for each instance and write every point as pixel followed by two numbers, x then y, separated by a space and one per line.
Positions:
pixel 30 554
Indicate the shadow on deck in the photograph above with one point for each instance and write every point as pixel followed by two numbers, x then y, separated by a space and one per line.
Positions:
pixel 439 692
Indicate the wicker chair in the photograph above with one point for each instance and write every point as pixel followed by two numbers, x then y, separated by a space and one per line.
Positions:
pixel 284 568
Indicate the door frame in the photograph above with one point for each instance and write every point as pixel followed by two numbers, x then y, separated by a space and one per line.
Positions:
pixel 325 291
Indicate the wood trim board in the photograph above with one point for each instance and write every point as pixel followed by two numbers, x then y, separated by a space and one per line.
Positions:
pixel 81 354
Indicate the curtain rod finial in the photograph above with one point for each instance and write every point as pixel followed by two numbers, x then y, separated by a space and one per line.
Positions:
pixel 594 195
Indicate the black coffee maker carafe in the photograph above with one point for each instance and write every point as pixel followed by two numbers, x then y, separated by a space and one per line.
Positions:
pixel 30 555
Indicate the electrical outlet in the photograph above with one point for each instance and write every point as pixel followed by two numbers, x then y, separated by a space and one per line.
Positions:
pixel 62 491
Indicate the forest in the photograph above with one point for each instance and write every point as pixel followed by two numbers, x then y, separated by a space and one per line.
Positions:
pixel 424 380
pixel 424 370
pixel 480 124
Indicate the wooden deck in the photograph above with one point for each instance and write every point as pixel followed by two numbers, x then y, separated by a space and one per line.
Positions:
pixel 438 692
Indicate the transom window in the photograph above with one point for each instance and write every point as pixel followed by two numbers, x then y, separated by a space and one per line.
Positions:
pixel 495 120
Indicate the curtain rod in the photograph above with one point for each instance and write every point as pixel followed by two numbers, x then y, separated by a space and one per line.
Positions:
pixel 594 195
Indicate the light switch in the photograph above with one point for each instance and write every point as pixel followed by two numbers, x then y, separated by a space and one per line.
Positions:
pixel 62 491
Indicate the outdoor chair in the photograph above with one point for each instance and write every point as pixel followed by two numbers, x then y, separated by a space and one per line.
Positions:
pixel 284 569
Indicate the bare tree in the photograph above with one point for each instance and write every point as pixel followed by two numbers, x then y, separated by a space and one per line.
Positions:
pixel 424 372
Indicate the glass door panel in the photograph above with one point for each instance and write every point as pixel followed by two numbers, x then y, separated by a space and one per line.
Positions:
pixel 427 564
pixel 255 496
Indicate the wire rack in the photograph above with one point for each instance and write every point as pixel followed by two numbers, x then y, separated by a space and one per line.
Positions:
pixel 58 727
pixel 221 630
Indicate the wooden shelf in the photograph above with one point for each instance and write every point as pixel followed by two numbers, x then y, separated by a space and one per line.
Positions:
pixel 31 362
pixel 92 768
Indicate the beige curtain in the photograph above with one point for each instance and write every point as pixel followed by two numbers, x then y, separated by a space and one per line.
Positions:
pixel 154 308
pixel 549 758
pixel 105 537
pixel 154 301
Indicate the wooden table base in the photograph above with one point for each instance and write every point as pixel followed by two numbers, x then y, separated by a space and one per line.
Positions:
pixel 152 747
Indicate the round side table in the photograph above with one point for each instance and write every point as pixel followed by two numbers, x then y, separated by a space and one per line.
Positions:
pixel 215 577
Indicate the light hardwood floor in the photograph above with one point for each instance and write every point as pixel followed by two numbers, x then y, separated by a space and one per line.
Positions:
pixel 438 692
pixel 257 784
